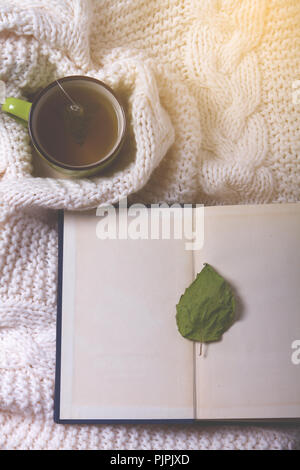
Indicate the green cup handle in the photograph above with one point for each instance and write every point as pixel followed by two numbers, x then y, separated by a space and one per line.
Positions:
pixel 16 107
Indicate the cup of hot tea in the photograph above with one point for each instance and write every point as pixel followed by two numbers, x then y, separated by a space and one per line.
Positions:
pixel 77 124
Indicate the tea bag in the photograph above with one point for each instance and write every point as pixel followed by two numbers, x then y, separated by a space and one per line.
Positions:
pixel 77 121
pixel 77 118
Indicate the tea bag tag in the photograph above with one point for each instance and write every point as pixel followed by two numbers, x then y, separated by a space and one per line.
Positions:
pixel 2 92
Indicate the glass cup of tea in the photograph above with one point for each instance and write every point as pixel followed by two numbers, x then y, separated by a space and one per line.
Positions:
pixel 77 124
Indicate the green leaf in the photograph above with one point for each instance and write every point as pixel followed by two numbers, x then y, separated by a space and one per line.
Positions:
pixel 207 307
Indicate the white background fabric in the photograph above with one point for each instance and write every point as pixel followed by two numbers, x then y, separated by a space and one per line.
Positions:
pixel 213 114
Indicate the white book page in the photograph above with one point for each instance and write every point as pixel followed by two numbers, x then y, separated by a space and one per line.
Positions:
pixel 121 354
pixel 250 373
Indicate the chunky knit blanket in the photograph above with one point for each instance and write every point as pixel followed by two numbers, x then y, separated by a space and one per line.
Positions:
pixel 211 91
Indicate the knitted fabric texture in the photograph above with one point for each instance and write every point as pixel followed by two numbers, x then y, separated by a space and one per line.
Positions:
pixel 210 92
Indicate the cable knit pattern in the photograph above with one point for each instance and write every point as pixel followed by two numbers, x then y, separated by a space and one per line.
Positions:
pixel 279 64
pixel 207 87
pixel 225 35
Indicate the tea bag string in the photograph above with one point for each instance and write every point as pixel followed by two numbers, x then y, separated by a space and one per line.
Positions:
pixel 74 106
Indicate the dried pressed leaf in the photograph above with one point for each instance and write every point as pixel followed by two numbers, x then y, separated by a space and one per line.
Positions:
pixel 207 307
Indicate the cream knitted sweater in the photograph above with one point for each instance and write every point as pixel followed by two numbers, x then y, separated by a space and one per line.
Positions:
pixel 210 90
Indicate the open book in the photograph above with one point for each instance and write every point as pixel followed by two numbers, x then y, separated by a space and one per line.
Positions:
pixel 119 353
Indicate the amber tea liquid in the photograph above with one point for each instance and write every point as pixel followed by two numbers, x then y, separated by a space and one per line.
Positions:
pixel 73 138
